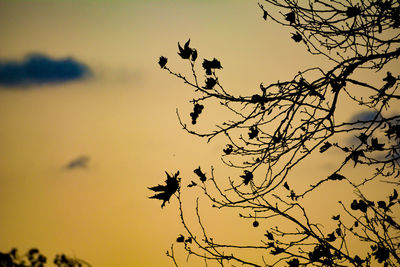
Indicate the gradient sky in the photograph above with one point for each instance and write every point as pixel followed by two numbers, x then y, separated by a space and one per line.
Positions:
pixel 118 125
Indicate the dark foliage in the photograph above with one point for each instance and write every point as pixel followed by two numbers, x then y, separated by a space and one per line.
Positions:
pixel 201 175
pixel 33 258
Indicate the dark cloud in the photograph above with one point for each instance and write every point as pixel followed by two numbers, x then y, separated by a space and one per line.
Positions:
pixel 364 116
pixel 38 69
pixel 81 162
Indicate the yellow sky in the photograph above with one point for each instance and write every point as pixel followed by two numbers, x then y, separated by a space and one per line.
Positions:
pixel 123 118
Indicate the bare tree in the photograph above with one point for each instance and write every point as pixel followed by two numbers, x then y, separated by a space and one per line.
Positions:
pixel 272 131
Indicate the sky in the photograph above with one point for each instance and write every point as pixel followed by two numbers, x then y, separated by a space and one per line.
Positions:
pixel 79 148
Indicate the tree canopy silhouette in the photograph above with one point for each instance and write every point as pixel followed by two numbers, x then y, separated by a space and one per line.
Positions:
pixel 282 124
pixel 34 258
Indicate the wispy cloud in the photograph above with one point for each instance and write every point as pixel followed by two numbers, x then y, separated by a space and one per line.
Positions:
pixel 39 69
pixel 81 162
pixel 365 116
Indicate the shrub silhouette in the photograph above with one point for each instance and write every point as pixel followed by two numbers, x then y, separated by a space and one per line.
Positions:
pixel 33 258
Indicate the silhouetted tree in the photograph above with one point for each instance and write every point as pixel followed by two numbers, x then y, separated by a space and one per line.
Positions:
pixel 33 258
pixel 273 130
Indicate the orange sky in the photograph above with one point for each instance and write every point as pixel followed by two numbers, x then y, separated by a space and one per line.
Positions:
pixel 123 118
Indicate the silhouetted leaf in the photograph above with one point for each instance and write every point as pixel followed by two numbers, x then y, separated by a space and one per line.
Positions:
pixel 286 186
pixel 162 61
pixel 247 177
pixel 297 37
pixel 215 64
pixel 185 52
pixel 354 155
pixel 210 65
pixel 210 83
pixel 167 190
pixel 331 237
pixel 360 205
pixel 336 218
pixel 180 239
pixel 291 17
pixel 201 175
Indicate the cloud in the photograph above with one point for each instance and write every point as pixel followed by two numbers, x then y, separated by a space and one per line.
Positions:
pixel 365 116
pixel 81 162
pixel 39 69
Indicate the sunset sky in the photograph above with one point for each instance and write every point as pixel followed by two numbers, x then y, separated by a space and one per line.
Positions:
pixel 77 154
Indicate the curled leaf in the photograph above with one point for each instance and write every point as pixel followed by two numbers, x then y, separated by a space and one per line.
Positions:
pixel 186 51
pixel 201 175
